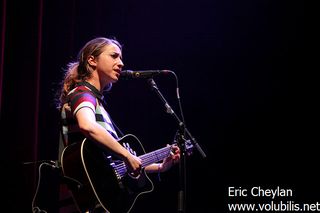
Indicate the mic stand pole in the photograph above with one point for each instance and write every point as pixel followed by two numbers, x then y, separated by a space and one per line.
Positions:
pixel 180 137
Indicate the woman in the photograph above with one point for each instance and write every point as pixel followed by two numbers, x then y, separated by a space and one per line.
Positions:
pixel 83 113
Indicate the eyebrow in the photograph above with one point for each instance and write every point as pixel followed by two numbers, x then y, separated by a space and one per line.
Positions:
pixel 117 53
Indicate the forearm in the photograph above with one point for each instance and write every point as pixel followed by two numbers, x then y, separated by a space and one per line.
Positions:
pixel 94 131
pixel 153 168
pixel 104 138
pixel 98 134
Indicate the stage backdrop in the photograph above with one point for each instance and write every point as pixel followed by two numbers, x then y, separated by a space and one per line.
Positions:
pixel 240 70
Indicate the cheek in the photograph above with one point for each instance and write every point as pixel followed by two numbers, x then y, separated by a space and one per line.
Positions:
pixel 107 63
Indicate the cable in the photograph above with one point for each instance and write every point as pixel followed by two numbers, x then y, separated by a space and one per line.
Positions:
pixel 179 100
pixel 36 209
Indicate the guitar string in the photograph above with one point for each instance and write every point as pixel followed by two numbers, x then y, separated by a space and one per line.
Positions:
pixel 162 153
pixel 149 157
pixel 122 169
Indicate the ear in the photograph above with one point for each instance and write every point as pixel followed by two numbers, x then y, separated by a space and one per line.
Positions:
pixel 92 60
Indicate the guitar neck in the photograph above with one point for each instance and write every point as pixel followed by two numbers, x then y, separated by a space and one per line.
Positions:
pixel 155 156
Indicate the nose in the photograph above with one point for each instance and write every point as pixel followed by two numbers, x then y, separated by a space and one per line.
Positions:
pixel 120 63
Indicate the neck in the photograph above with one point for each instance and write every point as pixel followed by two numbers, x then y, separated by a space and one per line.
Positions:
pixel 95 81
pixel 98 82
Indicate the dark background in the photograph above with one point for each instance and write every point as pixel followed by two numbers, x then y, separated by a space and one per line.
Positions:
pixel 246 92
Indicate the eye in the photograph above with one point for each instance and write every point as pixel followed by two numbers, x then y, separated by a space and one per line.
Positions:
pixel 115 55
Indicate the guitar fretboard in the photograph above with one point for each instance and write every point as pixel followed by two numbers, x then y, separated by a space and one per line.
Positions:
pixel 147 159
pixel 155 156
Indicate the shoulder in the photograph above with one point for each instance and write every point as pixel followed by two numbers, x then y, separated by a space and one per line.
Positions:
pixel 81 92
pixel 82 96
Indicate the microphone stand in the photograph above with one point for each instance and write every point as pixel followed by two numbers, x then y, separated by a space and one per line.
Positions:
pixel 181 141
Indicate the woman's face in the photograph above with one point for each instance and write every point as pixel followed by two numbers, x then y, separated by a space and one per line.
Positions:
pixel 109 63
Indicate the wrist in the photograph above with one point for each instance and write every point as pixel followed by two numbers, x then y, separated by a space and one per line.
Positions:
pixel 160 167
pixel 159 170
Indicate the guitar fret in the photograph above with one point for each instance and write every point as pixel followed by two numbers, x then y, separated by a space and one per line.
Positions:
pixel 155 156
pixel 147 159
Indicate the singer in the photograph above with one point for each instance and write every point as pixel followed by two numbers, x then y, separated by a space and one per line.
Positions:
pixel 92 141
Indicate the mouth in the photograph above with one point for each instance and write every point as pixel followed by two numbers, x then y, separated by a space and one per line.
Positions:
pixel 118 73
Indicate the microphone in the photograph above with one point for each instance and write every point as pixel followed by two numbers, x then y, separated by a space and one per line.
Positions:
pixel 129 74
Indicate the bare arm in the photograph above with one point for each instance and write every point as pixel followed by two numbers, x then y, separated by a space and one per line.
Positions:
pixel 91 129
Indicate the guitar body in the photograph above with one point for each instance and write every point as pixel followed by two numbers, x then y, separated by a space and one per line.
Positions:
pixel 99 179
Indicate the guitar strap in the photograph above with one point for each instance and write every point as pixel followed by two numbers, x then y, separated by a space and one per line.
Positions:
pixel 101 99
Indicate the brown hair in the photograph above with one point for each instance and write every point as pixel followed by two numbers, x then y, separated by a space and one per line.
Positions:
pixel 80 70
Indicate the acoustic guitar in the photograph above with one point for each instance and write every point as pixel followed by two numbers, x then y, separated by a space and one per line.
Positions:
pixel 102 179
